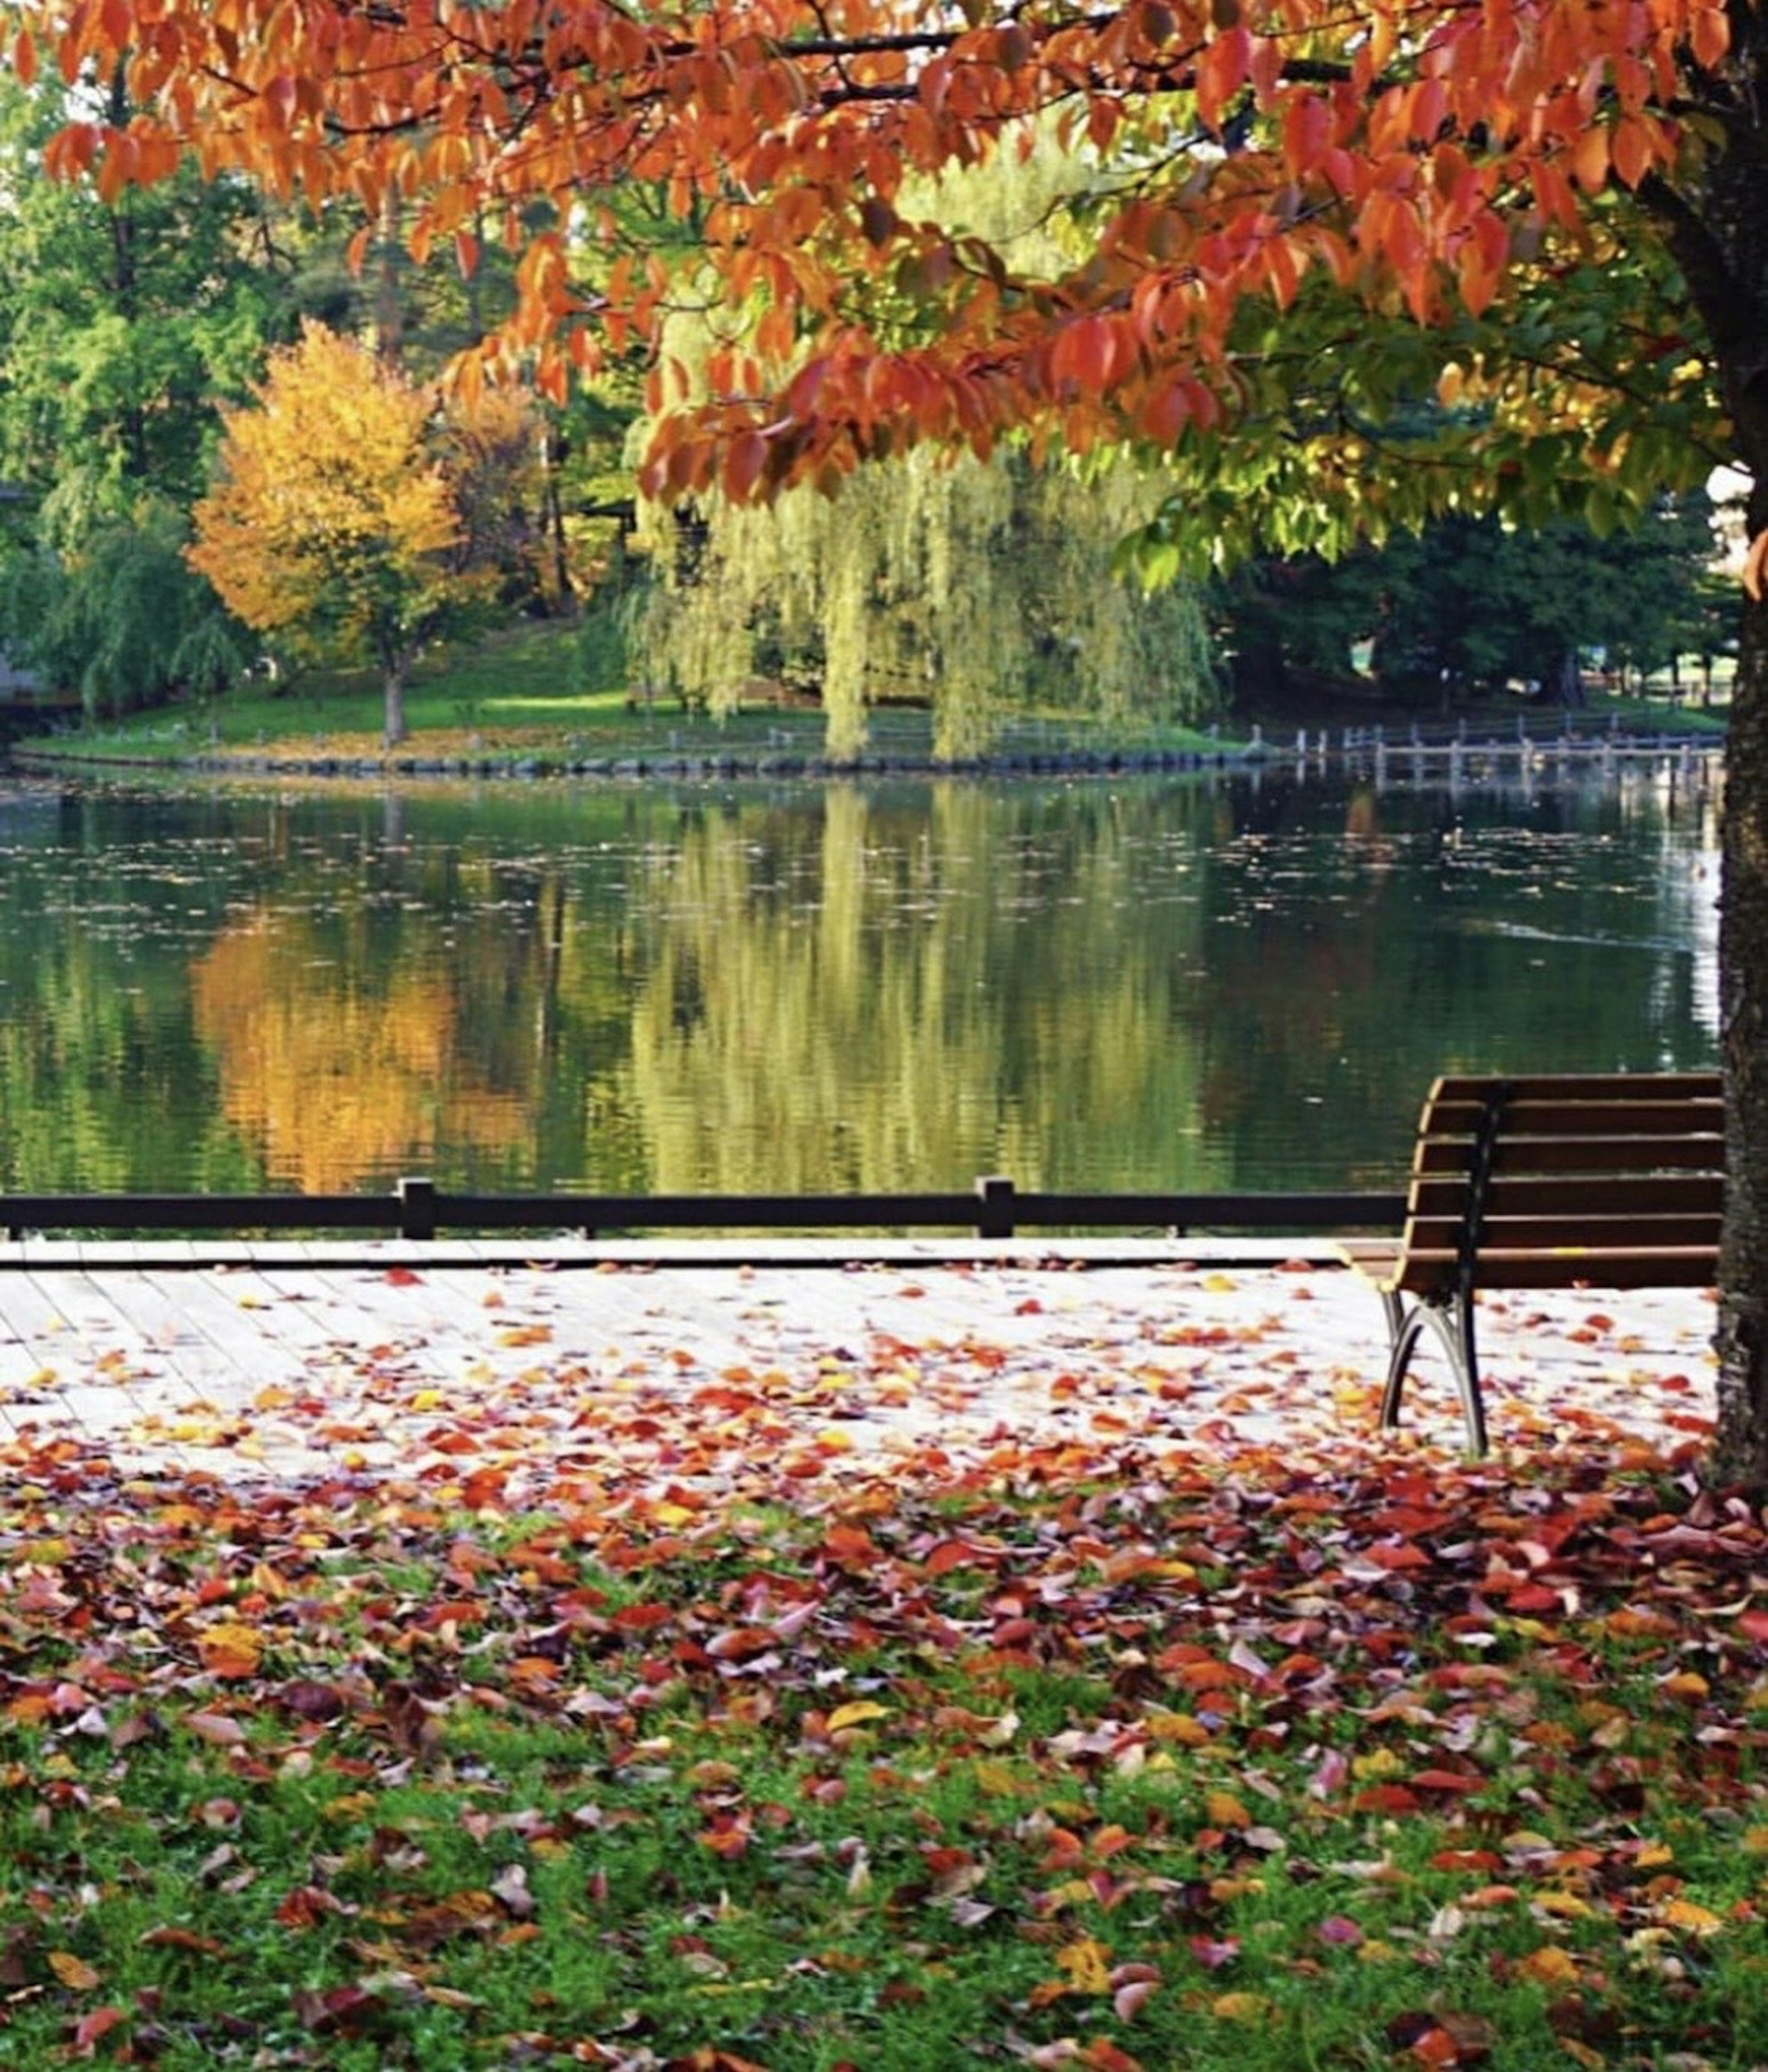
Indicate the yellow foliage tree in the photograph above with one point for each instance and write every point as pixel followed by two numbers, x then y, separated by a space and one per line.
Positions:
pixel 332 520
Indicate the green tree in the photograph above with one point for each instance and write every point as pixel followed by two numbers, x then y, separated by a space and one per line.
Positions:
pixel 122 619
pixel 1468 604
pixel 122 320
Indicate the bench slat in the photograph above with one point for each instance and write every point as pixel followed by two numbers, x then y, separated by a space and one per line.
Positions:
pixel 1555 1233
pixel 1685 1266
pixel 1533 1194
pixel 1583 1086
pixel 1567 1118
pixel 1574 1154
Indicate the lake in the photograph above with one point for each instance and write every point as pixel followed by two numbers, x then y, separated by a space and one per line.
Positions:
pixel 1185 981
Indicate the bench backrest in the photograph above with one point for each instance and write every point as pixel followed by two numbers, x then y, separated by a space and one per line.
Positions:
pixel 1614 1178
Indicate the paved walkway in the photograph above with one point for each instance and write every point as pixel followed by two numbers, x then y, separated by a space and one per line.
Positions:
pixel 289 1362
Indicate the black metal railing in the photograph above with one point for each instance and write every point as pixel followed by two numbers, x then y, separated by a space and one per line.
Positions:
pixel 417 1208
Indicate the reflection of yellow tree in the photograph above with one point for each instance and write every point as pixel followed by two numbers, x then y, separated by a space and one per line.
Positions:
pixel 841 1008
pixel 339 1084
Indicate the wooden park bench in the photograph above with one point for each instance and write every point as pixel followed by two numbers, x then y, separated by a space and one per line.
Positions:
pixel 1608 1179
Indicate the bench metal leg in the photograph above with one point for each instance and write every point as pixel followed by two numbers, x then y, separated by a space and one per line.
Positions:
pixel 1451 1317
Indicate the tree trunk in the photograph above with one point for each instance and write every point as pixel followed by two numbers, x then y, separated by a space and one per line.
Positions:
pixel 1740 1451
pixel 1716 229
pixel 392 725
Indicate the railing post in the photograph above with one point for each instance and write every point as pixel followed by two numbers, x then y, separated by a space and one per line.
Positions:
pixel 994 1216
pixel 416 1208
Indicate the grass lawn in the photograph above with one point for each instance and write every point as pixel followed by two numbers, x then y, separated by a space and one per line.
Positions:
pixel 510 700
pixel 1103 1760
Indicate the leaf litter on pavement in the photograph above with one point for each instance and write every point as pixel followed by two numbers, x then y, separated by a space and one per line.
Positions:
pixel 985 1696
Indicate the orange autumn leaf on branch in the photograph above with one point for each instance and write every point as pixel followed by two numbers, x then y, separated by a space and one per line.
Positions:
pixel 1412 155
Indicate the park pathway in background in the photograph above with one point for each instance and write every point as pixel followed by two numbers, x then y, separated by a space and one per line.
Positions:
pixel 289 1363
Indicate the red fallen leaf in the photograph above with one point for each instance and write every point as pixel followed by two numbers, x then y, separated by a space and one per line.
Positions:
pixel 1384 1798
pixel 344 2011
pixel 1404 2031
pixel 90 2030
pixel 1466 1860
pixel 183 1938
pixel 1754 1625
pixel 1398 1555
pixel 1445 1780
pixel 1340 1930
pixel 402 1276
pixel 1102 2055
pixel 726 1842
pixel 1212 1952
pixel 1535 1598
pixel 735 1642
pixel 306 1905
pixel 640 1618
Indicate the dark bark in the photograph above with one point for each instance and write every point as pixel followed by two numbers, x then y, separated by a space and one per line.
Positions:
pixel 1715 224
pixel 1741 1449
pixel 393 730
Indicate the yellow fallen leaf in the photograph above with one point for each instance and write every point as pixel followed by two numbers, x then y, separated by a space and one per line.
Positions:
pixel 856 1715
pixel 1694 1920
pixel 1379 1762
pixel 1086 1965
pixel 74 1972
pixel 1180 1727
pixel 1240 2006
pixel 1222 1809
pixel 1549 1966
pixel 231 1648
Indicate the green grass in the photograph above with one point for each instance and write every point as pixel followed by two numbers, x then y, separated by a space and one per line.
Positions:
pixel 374 1781
pixel 509 700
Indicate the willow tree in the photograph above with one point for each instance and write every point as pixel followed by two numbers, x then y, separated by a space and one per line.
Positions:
pixel 984 586
pixel 1318 213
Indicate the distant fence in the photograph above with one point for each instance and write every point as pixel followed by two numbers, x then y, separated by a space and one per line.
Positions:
pixel 417 1208
pixel 1589 739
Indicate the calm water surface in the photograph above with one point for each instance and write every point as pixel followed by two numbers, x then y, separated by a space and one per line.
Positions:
pixel 1179 982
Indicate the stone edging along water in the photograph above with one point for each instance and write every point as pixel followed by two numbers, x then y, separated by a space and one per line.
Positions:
pixel 1364 747
pixel 1074 762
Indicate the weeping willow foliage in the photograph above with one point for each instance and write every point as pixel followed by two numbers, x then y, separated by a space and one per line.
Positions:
pixel 985 587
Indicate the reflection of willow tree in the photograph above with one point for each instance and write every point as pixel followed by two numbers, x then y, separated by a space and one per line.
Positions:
pixel 831 1001
pixel 341 1084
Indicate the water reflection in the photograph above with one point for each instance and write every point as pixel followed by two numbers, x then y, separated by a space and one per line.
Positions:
pixel 1163 983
